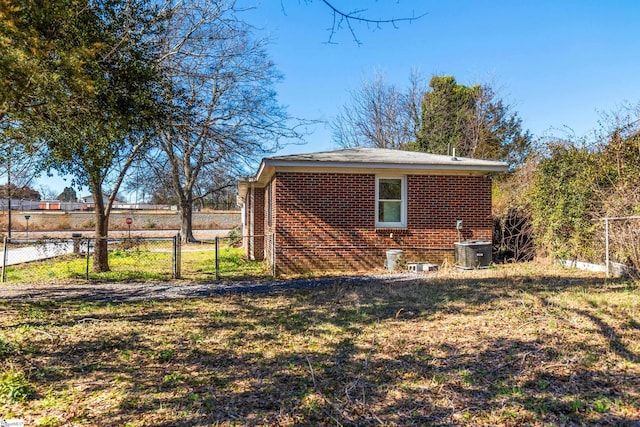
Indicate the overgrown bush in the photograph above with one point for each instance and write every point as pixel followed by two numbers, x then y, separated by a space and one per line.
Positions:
pixel 579 183
pixel 563 200
pixel 621 198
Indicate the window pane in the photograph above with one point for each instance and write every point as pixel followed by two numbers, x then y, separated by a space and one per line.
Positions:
pixel 390 189
pixel 389 211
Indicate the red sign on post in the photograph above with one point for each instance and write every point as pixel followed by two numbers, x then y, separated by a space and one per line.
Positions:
pixel 129 221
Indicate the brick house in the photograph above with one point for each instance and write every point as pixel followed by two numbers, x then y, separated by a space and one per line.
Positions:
pixel 343 209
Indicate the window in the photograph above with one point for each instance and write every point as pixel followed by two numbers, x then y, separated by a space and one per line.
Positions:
pixel 391 202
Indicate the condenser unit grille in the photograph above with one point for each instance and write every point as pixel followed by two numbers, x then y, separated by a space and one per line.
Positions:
pixel 473 254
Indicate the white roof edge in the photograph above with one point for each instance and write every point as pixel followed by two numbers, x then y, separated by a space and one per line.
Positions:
pixel 465 165
pixel 268 166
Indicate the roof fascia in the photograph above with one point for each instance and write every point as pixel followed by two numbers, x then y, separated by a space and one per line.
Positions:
pixel 268 168
pixel 385 171
pixel 494 167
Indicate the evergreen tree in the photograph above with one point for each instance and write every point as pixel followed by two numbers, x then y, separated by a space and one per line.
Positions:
pixel 471 119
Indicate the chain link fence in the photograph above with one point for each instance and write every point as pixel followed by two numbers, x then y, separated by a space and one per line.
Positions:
pixel 620 243
pixel 613 248
pixel 220 258
pixel 129 259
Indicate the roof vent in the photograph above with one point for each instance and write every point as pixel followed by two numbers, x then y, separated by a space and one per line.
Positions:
pixel 453 156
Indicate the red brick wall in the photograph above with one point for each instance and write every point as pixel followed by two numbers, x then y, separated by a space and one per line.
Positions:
pixel 255 198
pixel 327 221
pixel 269 228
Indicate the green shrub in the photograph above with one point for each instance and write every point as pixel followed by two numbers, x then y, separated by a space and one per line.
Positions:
pixel 49 421
pixel 15 387
pixel 5 347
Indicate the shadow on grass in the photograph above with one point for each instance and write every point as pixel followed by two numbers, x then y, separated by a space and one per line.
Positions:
pixel 398 351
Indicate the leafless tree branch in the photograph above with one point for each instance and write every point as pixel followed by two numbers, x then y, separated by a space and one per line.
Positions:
pixel 340 18
pixel 221 93
pixel 380 115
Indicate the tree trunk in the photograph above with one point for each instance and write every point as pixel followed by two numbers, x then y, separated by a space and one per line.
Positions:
pixel 186 223
pixel 100 251
pixel 9 196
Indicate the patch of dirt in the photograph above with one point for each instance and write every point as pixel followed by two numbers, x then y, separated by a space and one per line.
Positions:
pixel 135 291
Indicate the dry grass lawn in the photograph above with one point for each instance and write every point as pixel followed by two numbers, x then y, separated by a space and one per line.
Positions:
pixel 517 345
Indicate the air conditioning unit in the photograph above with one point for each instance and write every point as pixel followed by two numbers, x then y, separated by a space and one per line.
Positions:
pixel 472 254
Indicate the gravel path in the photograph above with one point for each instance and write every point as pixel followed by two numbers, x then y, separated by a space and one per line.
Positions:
pixel 122 292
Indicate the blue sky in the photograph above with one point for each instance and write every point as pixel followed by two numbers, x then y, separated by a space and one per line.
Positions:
pixel 558 63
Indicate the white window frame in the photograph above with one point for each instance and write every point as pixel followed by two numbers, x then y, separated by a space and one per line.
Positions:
pixel 403 202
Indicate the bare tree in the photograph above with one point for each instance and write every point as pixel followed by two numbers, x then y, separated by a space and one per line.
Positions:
pixel 215 187
pixel 413 101
pixel 46 192
pixel 224 108
pixel 380 115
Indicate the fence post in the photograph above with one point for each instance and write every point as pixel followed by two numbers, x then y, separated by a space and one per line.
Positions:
pixel 217 261
pixel 87 268
pixel 173 257
pixel 606 245
pixel 176 256
pixel 76 237
pixel 4 257
pixel 273 254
